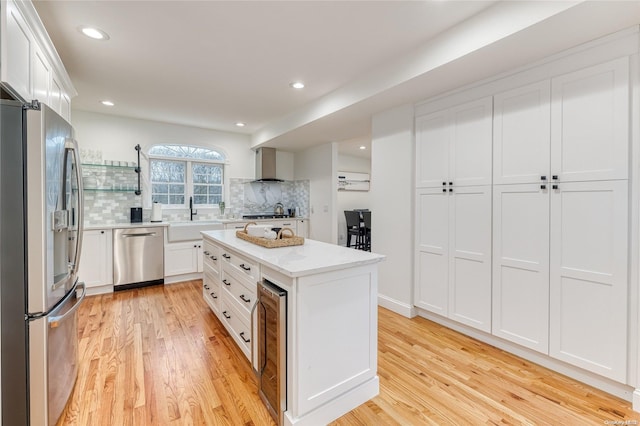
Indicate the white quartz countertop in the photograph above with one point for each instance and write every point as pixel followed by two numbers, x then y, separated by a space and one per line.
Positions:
pixel 125 225
pixel 312 257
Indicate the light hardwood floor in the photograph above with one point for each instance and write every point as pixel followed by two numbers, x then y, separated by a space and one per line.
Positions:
pixel 158 356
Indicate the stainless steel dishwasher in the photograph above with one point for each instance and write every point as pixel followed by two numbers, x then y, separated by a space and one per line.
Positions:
pixel 138 257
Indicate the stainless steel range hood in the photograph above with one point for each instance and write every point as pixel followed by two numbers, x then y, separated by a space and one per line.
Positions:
pixel 266 165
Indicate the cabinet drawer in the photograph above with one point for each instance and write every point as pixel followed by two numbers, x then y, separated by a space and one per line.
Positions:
pixel 243 293
pixel 211 256
pixel 211 291
pixel 236 324
pixel 247 268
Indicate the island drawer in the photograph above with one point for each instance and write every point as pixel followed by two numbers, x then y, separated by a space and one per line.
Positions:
pixel 211 256
pixel 211 290
pixel 247 268
pixel 242 292
pixel 237 324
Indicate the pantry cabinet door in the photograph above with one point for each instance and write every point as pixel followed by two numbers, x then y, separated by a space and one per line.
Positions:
pixel 521 265
pixel 590 123
pixel 432 263
pixel 470 256
pixel 521 134
pixel 433 134
pixel 471 140
pixel 588 276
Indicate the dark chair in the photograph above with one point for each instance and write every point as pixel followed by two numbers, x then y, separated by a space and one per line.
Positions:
pixel 354 229
pixel 366 218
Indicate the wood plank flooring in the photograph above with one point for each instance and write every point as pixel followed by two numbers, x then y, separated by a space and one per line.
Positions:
pixel 159 356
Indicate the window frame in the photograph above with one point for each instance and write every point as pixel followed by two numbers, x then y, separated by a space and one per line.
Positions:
pixel 188 183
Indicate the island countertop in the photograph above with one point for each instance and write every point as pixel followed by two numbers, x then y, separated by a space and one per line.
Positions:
pixel 296 261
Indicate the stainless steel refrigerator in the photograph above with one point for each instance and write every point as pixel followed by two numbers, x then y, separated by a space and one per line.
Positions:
pixel 40 244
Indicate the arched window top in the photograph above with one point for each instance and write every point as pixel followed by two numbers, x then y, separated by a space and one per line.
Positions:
pixel 185 151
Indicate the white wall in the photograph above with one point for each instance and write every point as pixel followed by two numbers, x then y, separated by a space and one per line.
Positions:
pixel 319 166
pixel 349 200
pixel 392 165
pixel 116 137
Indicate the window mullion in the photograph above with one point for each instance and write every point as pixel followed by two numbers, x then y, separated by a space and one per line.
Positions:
pixel 188 188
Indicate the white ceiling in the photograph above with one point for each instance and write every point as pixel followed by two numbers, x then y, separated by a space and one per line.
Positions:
pixel 212 63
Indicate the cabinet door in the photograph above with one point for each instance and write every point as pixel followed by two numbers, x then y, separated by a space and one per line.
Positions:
pixel 56 96
pixel 17 45
pixel 181 258
pixel 470 256
pixel 471 140
pixel 432 263
pixel 433 134
pixel 588 270
pixel 521 265
pixel 41 77
pixel 590 123
pixel 521 134
pixel 96 260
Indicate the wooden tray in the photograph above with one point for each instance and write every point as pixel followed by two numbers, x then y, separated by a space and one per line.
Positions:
pixel 283 239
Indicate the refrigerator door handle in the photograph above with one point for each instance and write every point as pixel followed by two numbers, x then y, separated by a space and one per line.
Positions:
pixel 55 321
pixel 71 145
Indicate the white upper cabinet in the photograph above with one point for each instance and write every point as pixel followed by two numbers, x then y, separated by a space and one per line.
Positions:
pixel 17 44
pixel 522 134
pixel 29 65
pixel 590 123
pixel 453 146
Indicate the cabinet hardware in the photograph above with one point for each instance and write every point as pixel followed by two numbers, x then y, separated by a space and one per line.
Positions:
pixel 554 177
pixel 246 268
pixel 554 186
pixel 450 183
pixel 450 189
pixel 226 282
pixel 199 246
pixel 244 299
pixel 245 340
pixel 226 256
pixel 214 258
pixel 543 178
pixel 206 253
pixel 195 246
pixel 543 186
pixel 226 315
pixel 102 232
pixel 444 183
pixel 213 295
pixel 206 287
pixel 444 189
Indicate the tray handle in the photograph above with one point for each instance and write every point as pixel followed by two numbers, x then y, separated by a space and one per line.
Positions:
pixel 281 233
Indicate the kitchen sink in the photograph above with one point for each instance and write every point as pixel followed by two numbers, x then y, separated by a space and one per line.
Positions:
pixel 189 231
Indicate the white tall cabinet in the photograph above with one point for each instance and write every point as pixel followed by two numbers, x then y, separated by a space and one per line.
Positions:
pixel 537 253
pixel 453 201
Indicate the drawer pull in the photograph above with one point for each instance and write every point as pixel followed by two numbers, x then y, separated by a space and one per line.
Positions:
pixel 226 256
pixel 227 316
pixel 226 282
pixel 206 287
pixel 213 295
pixel 246 268
pixel 206 253
pixel 245 340
pixel 244 299
pixel 214 258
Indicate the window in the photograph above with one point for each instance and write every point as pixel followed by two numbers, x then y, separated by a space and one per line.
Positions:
pixel 178 172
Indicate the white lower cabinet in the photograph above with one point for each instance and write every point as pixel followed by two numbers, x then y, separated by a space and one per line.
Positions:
pixel 521 265
pixel 183 258
pixel 96 261
pixel 454 254
pixel 588 269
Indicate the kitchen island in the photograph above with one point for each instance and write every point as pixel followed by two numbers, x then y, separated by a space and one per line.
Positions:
pixel 331 317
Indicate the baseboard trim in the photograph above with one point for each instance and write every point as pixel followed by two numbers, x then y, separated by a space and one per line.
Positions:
pixel 396 306
pixel 184 277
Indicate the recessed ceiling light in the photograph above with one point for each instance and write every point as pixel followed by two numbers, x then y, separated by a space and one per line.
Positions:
pixel 94 33
pixel 363 147
pixel 297 85
pixel 240 124
pixel 107 103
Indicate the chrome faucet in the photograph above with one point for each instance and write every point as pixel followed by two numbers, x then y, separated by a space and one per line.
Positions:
pixel 193 213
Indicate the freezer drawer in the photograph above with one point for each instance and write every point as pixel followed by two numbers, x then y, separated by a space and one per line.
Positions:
pixel 138 257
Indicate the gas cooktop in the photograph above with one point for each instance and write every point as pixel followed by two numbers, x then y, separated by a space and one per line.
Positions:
pixel 265 216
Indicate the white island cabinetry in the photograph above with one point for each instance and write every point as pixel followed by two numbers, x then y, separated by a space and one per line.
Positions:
pixel 331 325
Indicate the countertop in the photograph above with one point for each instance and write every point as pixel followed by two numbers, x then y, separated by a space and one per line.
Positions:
pixel 126 225
pixel 312 257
